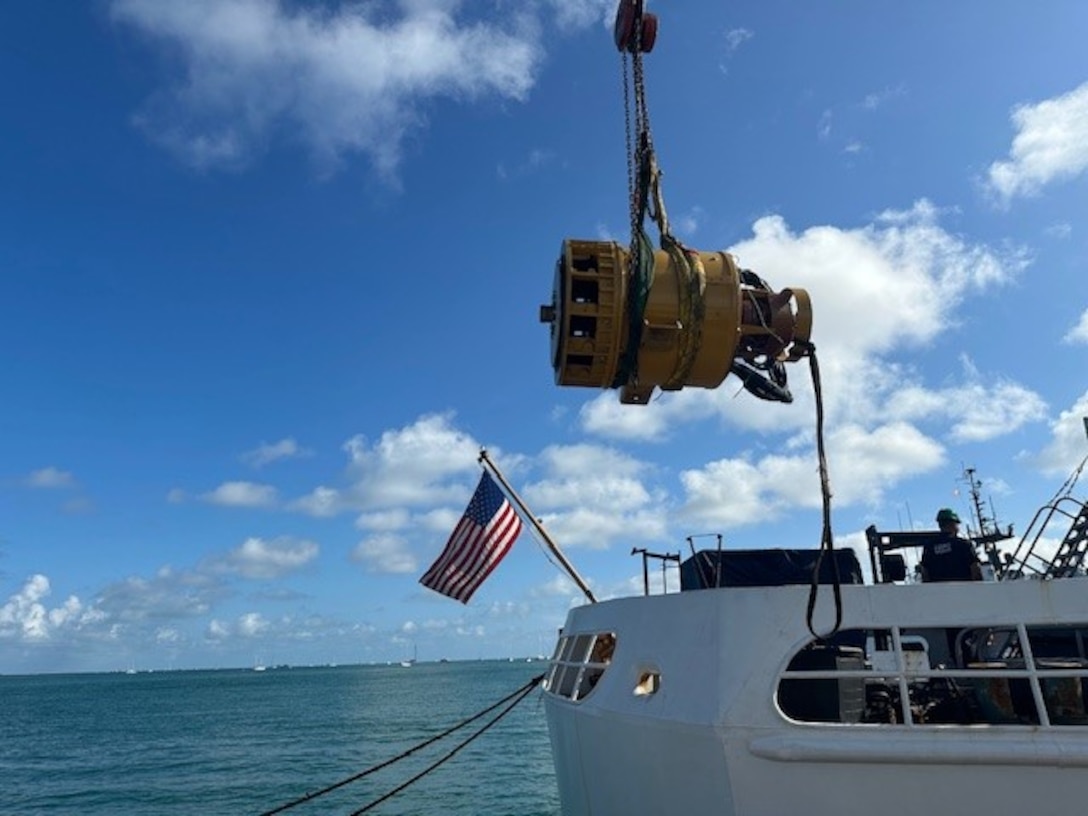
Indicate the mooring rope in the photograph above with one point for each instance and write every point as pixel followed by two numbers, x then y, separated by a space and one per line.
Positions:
pixel 516 697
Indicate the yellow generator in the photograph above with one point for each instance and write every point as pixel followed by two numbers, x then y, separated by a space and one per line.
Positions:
pixel 678 318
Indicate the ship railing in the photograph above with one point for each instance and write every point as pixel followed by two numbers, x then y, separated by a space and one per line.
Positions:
pixel 1024 561
pixel 1002 687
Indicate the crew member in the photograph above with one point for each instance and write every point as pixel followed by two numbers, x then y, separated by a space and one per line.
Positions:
pixel 950 557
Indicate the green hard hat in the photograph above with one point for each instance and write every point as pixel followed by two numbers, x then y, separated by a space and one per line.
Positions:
pixel 945 514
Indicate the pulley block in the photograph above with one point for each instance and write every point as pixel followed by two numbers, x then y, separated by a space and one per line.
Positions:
pixel 632 21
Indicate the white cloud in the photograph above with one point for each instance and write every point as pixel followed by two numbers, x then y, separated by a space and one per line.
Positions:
pixel 385 552
pixel 1079 333
pixel 592 496
pixel 168 594
pixel 1051 144
pixel 384 521
pixel 354 79
pixel 24 613
pixel 266 453
pixel 1045 547
pixel 1068 441
pixel 322 502
pixel 242 494
pixel 176 495
pixel 581 13
pixel 864 462
pixel 50 478
pixel 735 37
pixel 612 480
pixel 1061 230
pixel 403 465
pixel 559 585
pixel 26 617
pixel 252 624
pixel 258 559
pixel 687 224
pixel 877 99
pixel 217 630
pixel 904 263
pixel 421 464
pixel 978 412
pixel 605 416
pixel 537 160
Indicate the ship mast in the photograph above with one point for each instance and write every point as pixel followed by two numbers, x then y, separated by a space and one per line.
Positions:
pixel 988 532
pixel 975 486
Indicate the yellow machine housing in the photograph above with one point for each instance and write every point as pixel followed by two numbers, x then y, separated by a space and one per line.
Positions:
pixel 699 318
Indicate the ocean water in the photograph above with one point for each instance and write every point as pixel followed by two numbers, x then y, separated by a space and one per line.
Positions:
pixel 245 742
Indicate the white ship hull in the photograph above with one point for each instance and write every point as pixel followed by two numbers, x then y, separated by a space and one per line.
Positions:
pixel 684 717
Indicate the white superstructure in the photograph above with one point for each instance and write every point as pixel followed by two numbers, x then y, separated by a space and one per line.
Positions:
pixel 949 698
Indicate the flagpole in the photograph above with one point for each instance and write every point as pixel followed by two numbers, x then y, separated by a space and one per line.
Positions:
pixel 571 571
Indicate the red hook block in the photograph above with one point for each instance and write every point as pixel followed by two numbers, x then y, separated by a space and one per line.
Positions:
pixel 629 19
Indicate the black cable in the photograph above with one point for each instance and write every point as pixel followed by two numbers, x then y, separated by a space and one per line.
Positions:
pixel 827 545
pixel 523 690
pixel 523 693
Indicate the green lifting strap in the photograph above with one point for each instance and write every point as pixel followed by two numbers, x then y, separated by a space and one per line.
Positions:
pixel 642 276
pixel 638 292
pixel 691 282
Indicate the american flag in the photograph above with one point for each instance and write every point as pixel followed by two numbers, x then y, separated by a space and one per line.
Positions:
pixel 479 542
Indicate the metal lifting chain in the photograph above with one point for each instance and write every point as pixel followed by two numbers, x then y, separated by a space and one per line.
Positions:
pixel 635 35
pixel 632 193
pixel 631 24
pixel 638 136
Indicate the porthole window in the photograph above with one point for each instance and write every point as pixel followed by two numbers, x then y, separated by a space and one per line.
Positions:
pixel 648 683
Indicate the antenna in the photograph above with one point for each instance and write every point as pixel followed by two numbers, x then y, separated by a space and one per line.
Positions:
pixel 976 501
pixel 989 534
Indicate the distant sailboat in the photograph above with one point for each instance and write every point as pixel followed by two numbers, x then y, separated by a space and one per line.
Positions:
pixel 409 663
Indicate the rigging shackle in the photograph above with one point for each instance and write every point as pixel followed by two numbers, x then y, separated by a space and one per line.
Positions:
pixel 691 321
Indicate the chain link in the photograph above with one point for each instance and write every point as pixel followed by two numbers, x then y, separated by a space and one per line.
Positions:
pixel 642 111
pixel 638 140
pixel 632 193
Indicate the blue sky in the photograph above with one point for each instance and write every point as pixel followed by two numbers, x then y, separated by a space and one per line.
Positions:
pixel 271 274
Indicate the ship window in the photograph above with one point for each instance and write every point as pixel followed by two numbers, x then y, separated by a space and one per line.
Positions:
pixel 648 683
pixel 579 664
pixel 567 679
pixel 973 675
